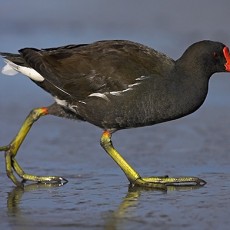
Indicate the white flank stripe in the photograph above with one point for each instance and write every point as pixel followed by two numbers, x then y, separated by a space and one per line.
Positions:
pixel 101 95
pixel 135 84
pixel 31 73
pixel 115 93
pixel 142 78
pixel 118 93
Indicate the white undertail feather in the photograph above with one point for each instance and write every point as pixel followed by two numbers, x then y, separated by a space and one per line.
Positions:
pixel 8 70
pixel 12 69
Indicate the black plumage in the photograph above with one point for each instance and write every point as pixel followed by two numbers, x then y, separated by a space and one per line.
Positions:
pixel 121 84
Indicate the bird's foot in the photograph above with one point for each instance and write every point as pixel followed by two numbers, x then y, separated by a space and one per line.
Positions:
pixel 12 168
pixel 164 181
pixel 44 179
pixel 15 167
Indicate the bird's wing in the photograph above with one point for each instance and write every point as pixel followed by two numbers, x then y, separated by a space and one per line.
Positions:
pixel 80 70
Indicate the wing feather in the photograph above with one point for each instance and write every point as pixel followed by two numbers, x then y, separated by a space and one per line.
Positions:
pixel 82 70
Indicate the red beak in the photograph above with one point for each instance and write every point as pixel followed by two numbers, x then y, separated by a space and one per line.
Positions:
pixel 227 57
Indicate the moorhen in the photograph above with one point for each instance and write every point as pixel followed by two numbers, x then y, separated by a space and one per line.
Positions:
pixel 115 84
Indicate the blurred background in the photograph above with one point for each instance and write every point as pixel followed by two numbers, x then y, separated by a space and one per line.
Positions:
pixel 168 26
pixel 156 23
pixel 196 145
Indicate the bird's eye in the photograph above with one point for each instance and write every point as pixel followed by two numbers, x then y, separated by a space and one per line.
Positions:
pixel 215 55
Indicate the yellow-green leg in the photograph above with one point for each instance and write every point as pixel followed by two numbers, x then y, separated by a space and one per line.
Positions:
pixel 12 149
pixel 135 178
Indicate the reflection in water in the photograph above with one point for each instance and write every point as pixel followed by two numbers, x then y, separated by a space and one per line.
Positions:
pixel 114 220
pixel 14 197
pixel 130 203
pixel 18 219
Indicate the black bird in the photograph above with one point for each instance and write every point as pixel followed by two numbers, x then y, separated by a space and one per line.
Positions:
pixel 115 85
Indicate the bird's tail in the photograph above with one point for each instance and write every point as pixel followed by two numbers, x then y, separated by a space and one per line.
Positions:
pixel 12 62
pixel 15 63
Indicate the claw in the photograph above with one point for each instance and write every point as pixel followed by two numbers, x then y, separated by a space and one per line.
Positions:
pixel 63 181
pixel 201 182
pixel 58 180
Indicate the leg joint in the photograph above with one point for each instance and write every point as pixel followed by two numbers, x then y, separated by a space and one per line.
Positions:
pixel 106 139
pixel 37 113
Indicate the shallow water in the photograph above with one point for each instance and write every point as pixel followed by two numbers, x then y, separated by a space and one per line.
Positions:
pixel 98 195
